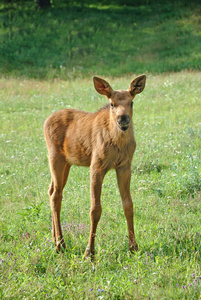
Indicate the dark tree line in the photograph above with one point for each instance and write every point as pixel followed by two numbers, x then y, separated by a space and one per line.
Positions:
pixel 43 3
pixel 48 3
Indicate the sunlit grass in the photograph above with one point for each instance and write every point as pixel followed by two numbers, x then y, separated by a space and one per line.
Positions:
pixel 165 188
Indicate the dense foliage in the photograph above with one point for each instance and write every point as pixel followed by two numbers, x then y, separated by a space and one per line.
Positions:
pixel 81 40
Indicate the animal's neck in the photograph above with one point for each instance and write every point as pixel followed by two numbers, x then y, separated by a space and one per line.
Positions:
pixel 119 137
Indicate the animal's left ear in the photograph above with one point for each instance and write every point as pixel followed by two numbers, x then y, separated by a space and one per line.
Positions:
pixel 137 85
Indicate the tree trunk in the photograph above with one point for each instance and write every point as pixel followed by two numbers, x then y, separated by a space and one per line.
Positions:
pixel 43 3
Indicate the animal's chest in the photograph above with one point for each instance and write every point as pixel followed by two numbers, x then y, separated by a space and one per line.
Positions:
pixel 113 156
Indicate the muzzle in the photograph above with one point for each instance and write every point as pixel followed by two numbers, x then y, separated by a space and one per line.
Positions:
pixel 123 122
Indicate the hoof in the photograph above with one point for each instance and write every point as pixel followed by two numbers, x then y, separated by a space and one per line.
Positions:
pixel 61 246
pixel 133 247
pixel 89 254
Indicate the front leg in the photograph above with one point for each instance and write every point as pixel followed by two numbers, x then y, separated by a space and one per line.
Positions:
pixel 123 178
pixel 96 177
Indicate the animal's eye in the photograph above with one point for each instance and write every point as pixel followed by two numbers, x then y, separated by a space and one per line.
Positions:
pixel 132 104
pixel 112 105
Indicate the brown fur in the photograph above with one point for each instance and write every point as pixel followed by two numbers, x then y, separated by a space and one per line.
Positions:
pixel 103 140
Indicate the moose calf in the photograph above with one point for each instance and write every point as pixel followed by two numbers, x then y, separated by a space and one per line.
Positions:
pixel 102 140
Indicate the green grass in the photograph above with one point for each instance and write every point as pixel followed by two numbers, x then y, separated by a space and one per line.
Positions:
pixel 165 186
pixel 80 41
pixel 46 62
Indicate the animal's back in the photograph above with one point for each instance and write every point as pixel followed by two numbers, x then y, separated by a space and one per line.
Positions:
pixel 63 131
pixel 75 132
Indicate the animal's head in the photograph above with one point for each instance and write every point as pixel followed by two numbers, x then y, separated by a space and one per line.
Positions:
pixel 121 101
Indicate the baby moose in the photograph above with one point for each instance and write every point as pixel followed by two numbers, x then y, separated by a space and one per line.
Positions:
pixel 102 140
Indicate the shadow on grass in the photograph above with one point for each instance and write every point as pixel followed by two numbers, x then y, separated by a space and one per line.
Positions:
pixel 78 41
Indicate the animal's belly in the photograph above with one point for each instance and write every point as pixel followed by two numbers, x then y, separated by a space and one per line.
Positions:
pixel 77 154
pixel 79 159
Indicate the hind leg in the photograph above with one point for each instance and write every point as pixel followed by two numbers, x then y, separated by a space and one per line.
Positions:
pixel 59 170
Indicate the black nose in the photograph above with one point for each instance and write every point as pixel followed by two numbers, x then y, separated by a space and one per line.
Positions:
pixel 123 120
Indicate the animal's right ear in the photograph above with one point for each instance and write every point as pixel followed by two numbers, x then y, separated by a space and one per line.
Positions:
pixel 102 87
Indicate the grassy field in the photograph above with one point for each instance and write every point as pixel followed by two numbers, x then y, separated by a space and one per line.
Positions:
pixel 166 190
pixel 46 63
pixel 80 41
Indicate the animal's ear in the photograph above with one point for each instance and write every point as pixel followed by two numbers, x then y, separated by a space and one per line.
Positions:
pixel 137 85
pixel 102 86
